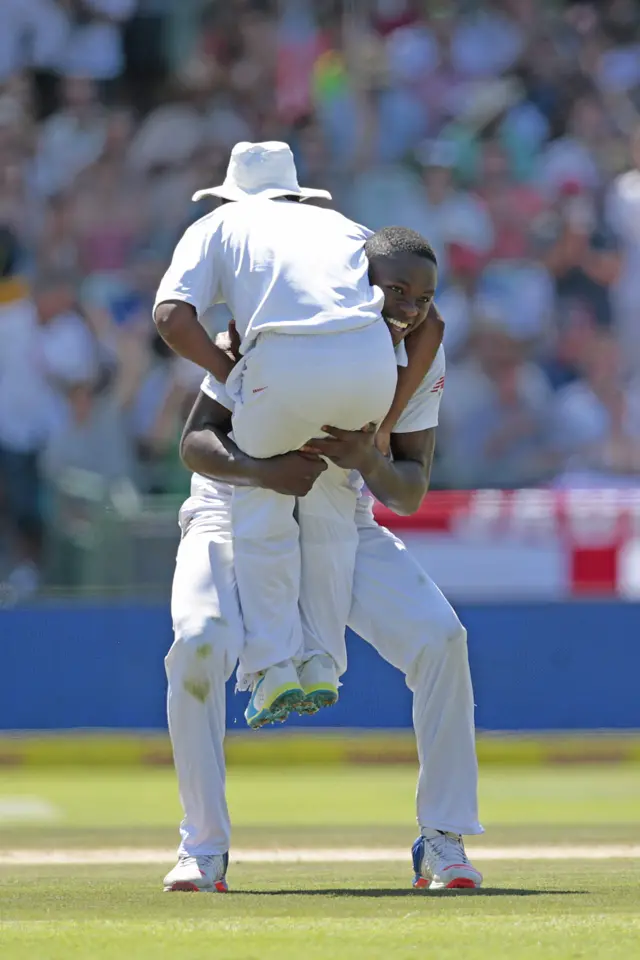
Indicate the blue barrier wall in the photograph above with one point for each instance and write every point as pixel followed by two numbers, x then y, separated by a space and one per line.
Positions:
pixel 535 667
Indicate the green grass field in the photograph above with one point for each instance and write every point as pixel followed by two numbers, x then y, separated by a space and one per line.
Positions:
pixel 566 908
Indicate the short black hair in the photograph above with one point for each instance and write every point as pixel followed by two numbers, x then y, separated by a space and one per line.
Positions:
pixel 391 240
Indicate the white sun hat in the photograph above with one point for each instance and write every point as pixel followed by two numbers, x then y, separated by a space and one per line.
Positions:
pixel 265 170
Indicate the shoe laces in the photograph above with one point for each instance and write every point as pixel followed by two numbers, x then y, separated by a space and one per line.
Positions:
pixel 440 845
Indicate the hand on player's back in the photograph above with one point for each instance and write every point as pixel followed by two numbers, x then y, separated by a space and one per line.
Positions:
pixel 234 340
pixel 383 442
pixel 229 341
pixel 349 449
pixel 292 474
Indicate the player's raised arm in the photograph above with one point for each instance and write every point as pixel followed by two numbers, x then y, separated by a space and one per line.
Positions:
pixel 403 264
pixel 422 346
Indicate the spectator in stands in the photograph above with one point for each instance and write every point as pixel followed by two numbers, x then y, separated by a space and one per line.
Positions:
pixel 95 47
pixel 113 112
pixel 577 155
pixel 448 214
pixel 35 34
pixel 456 296
pixel 23 421
pixel 72 138
pixel 170 383
pixel 314 163
pixel 623 218
pixel 92 438
pixel 597 419
pixel 57 245
pixel 511 205
pixel 495 420
pixel 45 342
pixel 110 220
pixel 581 252
pixel 487 40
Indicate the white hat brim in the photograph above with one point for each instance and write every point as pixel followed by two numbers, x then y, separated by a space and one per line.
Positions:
pixel 235 193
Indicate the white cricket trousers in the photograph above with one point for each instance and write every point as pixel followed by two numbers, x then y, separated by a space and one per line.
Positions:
pixel 396 608
pixel 284 390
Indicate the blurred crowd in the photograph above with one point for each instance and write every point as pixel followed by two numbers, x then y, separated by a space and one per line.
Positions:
pixel 506 131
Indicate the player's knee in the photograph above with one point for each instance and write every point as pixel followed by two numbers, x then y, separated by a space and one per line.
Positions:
pixel 443 632
pixel 458 643
pixel 454 637
pixel 203 645
pixel 446 641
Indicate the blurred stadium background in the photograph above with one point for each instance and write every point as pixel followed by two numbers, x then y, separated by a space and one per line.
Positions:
pixel 508 132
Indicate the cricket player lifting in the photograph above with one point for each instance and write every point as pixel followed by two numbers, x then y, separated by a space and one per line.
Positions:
pixel 315 351
pixel 394 606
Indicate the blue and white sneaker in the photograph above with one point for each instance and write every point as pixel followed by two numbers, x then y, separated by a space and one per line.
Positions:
pixel 440 863
pixel 205 874
pixel 276 693
pixel 319 680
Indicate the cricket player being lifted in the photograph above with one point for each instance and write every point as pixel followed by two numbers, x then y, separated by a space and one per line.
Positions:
pixel 395 606
pixel 315 351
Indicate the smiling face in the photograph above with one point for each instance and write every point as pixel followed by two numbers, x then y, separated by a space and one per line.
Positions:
pixel 409 284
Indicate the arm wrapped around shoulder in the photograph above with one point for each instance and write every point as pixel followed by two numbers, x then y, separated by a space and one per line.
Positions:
pixel 422 348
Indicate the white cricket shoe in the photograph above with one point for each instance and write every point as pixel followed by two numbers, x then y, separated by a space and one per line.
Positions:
pixel 206 874
pixel 440 862
pixel 276 693
pixel 319 680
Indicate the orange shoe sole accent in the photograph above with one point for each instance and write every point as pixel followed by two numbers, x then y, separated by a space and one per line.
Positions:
pixel 185 886
pixel 462 883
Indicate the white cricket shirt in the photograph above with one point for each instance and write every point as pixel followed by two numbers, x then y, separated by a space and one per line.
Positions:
pixel 278 265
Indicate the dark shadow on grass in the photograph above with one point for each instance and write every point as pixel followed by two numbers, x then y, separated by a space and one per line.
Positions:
pixel 402 892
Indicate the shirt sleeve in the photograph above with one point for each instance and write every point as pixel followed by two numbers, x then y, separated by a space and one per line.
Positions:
pixel 422 410
pixel 364 232
pixel 359 231
pixel 216 391
pixel 193 275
